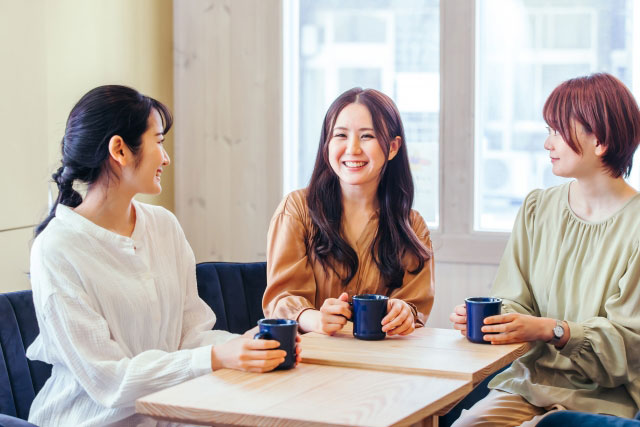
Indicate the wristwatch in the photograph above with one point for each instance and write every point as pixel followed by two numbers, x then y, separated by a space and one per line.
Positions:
pixel 558 332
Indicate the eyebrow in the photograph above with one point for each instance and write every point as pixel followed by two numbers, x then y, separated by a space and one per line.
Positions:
pixel 344 128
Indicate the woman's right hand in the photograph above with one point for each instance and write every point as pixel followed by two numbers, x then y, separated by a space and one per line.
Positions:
pixel 331 317
pixel 459 318
pixel 246 354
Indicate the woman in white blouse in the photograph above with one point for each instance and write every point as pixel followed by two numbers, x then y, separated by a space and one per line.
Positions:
pixel 113 279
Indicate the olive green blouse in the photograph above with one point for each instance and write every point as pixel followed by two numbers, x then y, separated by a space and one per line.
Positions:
pixel 559 266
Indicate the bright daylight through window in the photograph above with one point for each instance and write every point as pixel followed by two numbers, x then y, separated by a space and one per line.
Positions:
pixel 549 41
pixel 523 49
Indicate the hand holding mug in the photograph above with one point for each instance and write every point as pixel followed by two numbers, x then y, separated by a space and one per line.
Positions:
pixel 516 328
pixel 459 318
pixel 251 333
pixel 285 333
pixel 334 314
pixel 246 354
pixel 399 319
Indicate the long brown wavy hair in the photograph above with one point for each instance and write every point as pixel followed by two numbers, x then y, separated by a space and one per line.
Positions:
pixel 394 236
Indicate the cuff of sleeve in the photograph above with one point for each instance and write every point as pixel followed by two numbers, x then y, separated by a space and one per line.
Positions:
pixel 417 318
pixel 201 360
pixel 576 339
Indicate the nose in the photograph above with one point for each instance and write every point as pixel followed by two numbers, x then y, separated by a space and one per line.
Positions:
pixel 547 144
pixel 353 145
pixel 165 158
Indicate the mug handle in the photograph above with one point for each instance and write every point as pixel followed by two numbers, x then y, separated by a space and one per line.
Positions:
pixel 262 336
pixel 353 317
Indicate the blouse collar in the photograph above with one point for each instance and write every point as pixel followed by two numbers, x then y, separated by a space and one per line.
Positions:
pixel 83 225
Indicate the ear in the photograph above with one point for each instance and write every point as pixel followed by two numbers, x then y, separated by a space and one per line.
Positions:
pixel 394 146
pixel 600 149
pixel 118 150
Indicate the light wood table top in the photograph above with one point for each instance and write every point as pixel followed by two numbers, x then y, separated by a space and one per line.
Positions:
pixel 308 394
pixel 443 352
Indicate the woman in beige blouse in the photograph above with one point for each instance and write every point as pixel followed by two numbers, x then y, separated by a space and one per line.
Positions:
pixel 352 230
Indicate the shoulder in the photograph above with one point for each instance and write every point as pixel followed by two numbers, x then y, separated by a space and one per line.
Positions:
pixel 294 205
pixel 57 243
pixel 155 211
pixel 56 258
pixel 542 200
pixel 156 216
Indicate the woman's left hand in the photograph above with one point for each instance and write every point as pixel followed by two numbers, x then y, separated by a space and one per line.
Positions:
pixel 399 319
pixel 516 328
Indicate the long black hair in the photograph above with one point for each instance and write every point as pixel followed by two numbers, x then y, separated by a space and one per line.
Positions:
pixel 100 114
pixel 394 236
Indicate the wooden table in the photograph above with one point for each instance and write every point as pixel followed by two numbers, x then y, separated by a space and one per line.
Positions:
pixel 443 352
pixel 306 395
pixel 342 381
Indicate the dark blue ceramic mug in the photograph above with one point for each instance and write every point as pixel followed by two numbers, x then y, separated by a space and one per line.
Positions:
pixel 478 309
pixel 284 331
pixel 367 313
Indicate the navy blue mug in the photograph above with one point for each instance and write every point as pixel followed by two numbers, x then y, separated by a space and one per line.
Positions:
pixel 284 331
pixel 367 313
pixel 478 309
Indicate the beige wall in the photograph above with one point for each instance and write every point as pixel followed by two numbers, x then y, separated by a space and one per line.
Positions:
pixel 53 51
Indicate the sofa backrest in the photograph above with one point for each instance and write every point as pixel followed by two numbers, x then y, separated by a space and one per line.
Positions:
pixel 20 378
pixel 234 292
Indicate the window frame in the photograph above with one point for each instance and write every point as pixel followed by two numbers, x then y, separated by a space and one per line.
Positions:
pixel 456 241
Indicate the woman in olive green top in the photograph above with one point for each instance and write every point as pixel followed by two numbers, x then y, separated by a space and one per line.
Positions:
pixel 570 273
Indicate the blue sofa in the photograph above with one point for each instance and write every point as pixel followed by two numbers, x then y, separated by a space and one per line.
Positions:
pixel 233 290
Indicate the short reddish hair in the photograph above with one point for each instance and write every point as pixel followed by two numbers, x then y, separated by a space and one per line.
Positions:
pixel 604 106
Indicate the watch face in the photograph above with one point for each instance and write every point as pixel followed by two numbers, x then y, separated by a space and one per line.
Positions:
pixel 558 331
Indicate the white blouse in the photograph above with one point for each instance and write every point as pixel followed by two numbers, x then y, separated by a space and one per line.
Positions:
pixel 119 317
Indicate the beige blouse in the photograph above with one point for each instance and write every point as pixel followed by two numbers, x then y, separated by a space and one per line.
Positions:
pixel 295 282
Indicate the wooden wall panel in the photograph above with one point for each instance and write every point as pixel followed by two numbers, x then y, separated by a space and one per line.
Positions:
pixel 228 102
pixel 454 283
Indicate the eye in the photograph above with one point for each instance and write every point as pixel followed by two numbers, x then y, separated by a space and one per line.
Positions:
pixel 367 136
pixel 551 131
pixel 339 135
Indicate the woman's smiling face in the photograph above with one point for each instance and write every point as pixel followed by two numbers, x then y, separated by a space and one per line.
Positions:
pixel 355 153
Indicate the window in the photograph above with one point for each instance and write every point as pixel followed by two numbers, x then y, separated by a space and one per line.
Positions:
pixel 551 41
pixel 481 98
pixel 392 46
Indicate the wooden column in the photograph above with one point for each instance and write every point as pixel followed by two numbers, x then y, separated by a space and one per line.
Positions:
pixel 228 103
